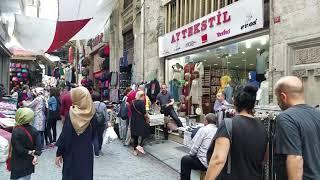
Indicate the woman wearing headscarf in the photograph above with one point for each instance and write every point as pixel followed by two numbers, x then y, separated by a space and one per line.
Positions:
pixel 75 148
pixel 140 128
pixel 25 148
pixel 38 105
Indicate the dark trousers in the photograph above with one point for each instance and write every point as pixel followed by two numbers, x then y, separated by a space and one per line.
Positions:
pixel 41 138
pixel 97 142
pixel 136 141
pixel 188 163
pixel 169 111
pixel 51 125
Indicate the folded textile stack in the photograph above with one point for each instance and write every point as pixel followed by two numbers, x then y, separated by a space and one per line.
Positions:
pixel 7 122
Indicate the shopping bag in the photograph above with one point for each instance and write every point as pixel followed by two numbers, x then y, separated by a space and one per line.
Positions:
pixel 4 149
pixel 122 128
pixel 128 138
pixel 109 136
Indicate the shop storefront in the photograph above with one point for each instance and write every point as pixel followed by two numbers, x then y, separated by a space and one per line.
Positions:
pixel 96 70
pixel 28 70
pixel 4 66
pixel 217 53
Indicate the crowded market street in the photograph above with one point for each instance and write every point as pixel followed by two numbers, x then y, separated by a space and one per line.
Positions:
pixel 159 89
pixel 116 163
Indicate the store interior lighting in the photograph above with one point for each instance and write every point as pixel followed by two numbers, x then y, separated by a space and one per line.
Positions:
pixel 248 44
pixel 240 55
pixel 263 40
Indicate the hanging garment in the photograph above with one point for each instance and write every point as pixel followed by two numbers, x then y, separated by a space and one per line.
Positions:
pixel 262 60
pixel 114 95
pixel 114 79
pixel 200 68
pixel 56 73
pixel 189 68
pixel 228 91
pixel 263 93
pixel 178 72
pixel 61 71
pixel 196 91
pixel 174 89
pixel 74 77
pixel 68 74
pixel 153 90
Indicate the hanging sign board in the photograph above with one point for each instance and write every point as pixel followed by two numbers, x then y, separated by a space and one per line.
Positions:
pixel 235 19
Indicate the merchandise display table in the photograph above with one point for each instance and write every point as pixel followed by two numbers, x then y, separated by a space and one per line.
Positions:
pixel 157 120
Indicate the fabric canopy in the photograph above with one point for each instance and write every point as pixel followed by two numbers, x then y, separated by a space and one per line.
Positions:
pixel 77 19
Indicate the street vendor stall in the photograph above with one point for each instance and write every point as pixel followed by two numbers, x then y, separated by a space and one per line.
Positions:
pixel 8 107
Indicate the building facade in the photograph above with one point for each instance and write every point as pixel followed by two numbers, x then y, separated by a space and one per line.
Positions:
pixel 132 33
pixel 295 43
pixel 141 32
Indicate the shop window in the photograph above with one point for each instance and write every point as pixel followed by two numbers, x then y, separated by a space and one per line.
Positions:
pixel 204 71
pixel 127 3
pixel 128 40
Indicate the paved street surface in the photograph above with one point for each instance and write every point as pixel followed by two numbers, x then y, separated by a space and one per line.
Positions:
pixel 171 153
pixel 118 163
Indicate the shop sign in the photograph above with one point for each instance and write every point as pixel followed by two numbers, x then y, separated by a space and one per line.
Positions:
pixel 97 40
pixel 277 20
pixel 235 19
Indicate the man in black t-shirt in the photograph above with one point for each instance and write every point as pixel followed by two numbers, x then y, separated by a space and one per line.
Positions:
pixel 297 133
pixel 166 102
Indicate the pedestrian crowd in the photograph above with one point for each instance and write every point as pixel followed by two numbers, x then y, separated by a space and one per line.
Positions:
pixel 233 149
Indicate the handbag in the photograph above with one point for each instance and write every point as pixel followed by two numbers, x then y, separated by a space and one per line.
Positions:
pixel 146 117
pixel 8 161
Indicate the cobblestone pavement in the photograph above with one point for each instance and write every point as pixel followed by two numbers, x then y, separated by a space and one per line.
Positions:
pixel 118 163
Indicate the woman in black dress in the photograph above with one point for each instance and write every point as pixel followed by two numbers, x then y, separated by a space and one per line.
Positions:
pixel 140 128
pixel 75 148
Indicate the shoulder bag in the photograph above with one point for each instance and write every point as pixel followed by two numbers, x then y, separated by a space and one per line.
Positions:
pixel 8 161
pixel 146 117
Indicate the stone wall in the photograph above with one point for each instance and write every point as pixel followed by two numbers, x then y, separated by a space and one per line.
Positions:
pixel 295 43
pixel 147 64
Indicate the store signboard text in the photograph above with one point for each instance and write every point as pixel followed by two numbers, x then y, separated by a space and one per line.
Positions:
pixel 238 18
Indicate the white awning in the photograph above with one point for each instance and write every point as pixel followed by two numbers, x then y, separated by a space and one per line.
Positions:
pixel 77 19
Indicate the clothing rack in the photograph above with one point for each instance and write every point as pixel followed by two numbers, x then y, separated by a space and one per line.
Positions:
pixel 267 114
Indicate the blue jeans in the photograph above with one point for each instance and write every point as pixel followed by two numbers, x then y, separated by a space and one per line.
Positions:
pixel 97 142
pixel 28 177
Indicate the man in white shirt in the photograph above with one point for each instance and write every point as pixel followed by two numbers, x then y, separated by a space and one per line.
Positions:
pixel 197 160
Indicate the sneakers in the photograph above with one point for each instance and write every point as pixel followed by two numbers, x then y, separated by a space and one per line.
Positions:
pixel 101 153
pixel 135 153
pixel 51 145
pixel 96 156
pixel 140 149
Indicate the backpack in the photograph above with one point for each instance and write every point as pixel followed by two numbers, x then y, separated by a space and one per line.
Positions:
pixel 228 123
pixel 101 120
pixel 123 112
